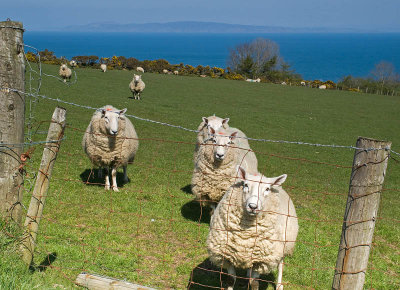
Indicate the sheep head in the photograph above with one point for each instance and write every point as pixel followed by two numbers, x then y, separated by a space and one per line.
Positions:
pixel 111 120
pixel 256 189
pixel 222 141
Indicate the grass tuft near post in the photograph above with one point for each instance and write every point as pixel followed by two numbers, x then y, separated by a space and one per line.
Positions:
pixel 53 142
pixel 367 177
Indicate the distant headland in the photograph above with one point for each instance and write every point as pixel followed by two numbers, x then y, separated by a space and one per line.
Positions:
pixel 201 27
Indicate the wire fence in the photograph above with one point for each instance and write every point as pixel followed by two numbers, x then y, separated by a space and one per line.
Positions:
pixel 154 233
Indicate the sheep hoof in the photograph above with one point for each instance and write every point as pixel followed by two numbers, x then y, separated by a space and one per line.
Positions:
pixel 107 187
pixel 115 188
pixel 279 287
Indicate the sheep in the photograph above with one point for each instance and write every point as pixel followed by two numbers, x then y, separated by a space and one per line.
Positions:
pixel 253 227
pixel 216 164
pixel 176 72
pixel 322 87
pixel 103 67
pixel 65 72
pixel 110 141
pixel 283 83
pixel 165 71
pixel 140 69
pixel 253 80
pixel 303 83
pixel 203 76
pixel 73 63
pixel 137 86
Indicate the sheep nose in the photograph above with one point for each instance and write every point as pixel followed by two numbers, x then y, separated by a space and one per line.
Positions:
pixel 252 206
pixel 220 156
pixel 114 132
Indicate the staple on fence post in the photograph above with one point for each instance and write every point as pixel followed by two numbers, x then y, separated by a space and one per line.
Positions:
pixel 53 142
pixel 12 117
pixel 366 181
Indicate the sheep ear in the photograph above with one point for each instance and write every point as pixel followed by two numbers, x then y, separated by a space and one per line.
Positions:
pixel 225 122
pixel 123 111
pixel 241 172
pixel 103 112
pixel 205 120
pixel 233 135
pixel 276 181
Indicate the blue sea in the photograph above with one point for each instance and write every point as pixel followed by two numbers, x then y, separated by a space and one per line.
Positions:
pixel 314 56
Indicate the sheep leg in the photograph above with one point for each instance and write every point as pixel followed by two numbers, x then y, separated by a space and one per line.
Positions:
pixel 279 285
pixel 107 186
pixel 126 179
pixel 253 275
pixel 114 179
pixel 232 277
pixel 100 173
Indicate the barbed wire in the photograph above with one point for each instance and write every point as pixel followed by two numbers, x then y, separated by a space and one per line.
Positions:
pixel 196 131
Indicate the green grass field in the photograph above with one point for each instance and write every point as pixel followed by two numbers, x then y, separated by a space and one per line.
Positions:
pixel 152 232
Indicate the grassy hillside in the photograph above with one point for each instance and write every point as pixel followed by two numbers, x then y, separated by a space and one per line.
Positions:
pixel 151 232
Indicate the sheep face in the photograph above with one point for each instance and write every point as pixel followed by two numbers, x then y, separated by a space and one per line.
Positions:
pixel 64 67
pixel 222 143
pixel 256 189
pixel 215 123
pixel 136 78
pixel 111 120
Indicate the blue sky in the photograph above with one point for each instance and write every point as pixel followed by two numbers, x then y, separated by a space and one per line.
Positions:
pixel 380 15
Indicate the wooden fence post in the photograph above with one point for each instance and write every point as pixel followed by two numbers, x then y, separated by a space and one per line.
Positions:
pixel 53 142
pixel 366 181
pixel 12 118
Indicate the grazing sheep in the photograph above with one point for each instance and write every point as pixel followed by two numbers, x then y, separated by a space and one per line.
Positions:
pixel 73 63
pixel 253 227
pixel 65 72
pixel 284 83
pixel 110 141
pixel 165 71
pixel 253 80
pixel 322 87
pixel 137 86
pixel 303 83
pixel 176 72
pixel 216 164
pixel 139 68
pixel 203 76
pixel 103 67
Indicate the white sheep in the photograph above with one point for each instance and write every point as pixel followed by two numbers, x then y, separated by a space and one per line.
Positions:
pixel 165 71
pixel 140 69
pixel 103 67
pixel 110 141
pixel 65 72
pixel 216 163
pixel 253 227
pixel 137 86
pixel 322 87
pixel 73 63
pixel 253 80
pixel 283 83
pixel 303 83
pixel 176 72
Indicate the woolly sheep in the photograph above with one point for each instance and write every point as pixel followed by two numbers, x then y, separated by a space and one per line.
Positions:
pixel 103 67
pixel 284 83
pixel 73 63
pixel 253 227
pixel 322 87
pixel 303 83
pixel 165 71
pixel 65 72
pixel 139 68
pixel 216 164
pixel 203 76
pixel 110 141
pixel 176 72
pixel 253 80
pixel 137 86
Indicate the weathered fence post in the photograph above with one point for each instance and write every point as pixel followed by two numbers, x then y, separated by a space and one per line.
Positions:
pixel 366 181
pixel 12 117
pixel 53 142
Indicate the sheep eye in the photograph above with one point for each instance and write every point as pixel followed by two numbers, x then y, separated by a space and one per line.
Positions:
pixel 214 141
